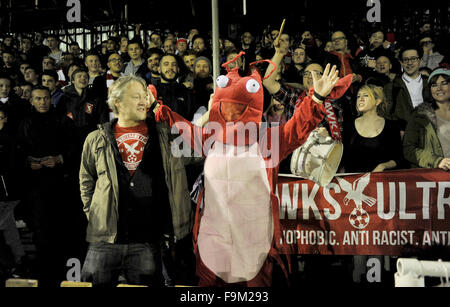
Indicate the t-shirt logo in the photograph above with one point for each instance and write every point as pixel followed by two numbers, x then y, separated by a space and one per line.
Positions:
pixel 131 147
pixel 88 108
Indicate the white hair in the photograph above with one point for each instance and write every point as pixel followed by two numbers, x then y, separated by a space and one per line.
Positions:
pixel 116 90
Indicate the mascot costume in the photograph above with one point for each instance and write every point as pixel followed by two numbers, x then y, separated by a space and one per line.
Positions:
pixel 237 231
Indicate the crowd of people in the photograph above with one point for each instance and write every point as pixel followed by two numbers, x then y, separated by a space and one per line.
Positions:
pixel 395 115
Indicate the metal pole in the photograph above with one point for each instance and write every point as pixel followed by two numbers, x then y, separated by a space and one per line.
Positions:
pixel 215 39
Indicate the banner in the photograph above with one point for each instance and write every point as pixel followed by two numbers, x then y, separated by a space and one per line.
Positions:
pixel 381 213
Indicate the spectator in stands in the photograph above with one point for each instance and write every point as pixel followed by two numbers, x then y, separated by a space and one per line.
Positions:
pixel 22 67
pixel 26 91
pixel 189 60
pixel 172 93
pixel 203 82
pixel 103 83
pixel 129 221
pixel 135 51
pixel 427 137
pixel 42 140
pixel 39 50
pixel 377 47
pixel 286 95
pixel 200 47
pixel 48 63
pixel 25 46
pixel 294 72
pixel 425 27
pixel 53 44
pixel 383 67
pixel 16 107
pixel 9 41
pixel 328 46
pixel 376 139
pixel 431 58
pixel 112 45
pixel 123 50
pixel 67 59
pixel 408 90
pixel 371 136
pixel 92 62
pixel 169 46
pixel 248 46
pixel 75 50
pixel 181 47
pixel 32 76
pixel 155 40
pixel 81 107
pixel 192 32
pixel 153 75
pixel 49 79
pixel 9 62
pixel 342 57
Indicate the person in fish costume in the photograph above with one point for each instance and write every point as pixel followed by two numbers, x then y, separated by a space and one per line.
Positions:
pixel 237 231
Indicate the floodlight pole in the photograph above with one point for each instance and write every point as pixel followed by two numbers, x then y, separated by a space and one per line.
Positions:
pixel 215 39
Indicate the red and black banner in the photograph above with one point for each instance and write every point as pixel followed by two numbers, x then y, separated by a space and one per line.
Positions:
pixel 366 214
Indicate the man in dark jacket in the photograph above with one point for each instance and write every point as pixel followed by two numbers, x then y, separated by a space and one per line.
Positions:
pixel 406 91
pixel 42 141
pixel 172 93
pixel 103 83
pixel 342 57
pixel 78 104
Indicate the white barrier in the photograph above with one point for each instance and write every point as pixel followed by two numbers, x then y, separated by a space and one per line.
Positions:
pixel 411 272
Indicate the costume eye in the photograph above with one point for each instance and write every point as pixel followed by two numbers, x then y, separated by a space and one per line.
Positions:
pixel 222 81
pixel 252 86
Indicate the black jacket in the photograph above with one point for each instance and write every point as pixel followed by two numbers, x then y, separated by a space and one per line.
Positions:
pixel 44 134
pixel 17 110
pixel 144 207
pixel 86 111
pixel 178 98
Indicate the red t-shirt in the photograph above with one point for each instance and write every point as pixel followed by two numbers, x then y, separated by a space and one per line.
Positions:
pixel 131 142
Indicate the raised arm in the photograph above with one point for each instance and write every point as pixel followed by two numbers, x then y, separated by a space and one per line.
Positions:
pixel 311 112
pixel 281 48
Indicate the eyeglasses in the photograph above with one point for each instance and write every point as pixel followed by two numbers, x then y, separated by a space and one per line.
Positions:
pixel 410 60
pixel 338 39
pixel 298 53
pixel 426 43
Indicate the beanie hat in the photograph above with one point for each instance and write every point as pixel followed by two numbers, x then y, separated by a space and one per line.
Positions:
pixel 205 59
pixel 439 71
pixel 181 40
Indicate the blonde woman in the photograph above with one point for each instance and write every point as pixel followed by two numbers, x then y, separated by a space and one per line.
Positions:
pixel 371 142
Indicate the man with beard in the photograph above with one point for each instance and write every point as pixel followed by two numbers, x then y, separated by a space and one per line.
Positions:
pixel 203 82
pixel 153 76
pixel 172 93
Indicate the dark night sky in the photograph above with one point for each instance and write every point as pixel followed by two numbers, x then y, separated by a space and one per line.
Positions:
pixel 179 14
